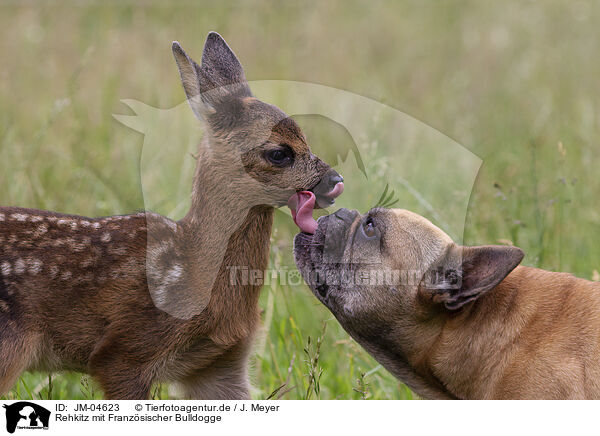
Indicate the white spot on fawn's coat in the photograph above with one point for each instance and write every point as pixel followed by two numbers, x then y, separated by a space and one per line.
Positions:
pixel 173 274
pixel 35 266
pixel 41 230
pixel 19 266
pixel 6 268
pixel 67 222
pixel 66 275
pixel 19 216
pixel 54 271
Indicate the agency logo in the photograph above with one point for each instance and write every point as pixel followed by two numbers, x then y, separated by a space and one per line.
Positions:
pixel 26 415
pixel 382 152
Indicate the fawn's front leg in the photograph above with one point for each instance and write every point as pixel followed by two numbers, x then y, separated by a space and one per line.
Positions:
pixel 120 375
pixel 226 379
pixel 217 384
pixel 17 350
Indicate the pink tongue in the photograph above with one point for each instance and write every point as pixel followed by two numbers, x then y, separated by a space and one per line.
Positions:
pixel 302 205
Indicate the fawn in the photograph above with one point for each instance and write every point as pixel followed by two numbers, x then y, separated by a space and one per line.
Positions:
pixel 140 298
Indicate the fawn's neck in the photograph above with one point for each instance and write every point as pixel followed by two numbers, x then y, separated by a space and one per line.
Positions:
pixel 225 234
pixel 238 285
pixel 221 205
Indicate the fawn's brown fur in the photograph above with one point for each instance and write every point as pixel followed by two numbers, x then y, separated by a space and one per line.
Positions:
pixel 102 295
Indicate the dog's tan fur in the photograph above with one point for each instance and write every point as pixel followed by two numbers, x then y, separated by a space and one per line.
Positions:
pixel 117 297
pixel 523 333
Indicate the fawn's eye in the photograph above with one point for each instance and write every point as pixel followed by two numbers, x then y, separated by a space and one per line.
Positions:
pixel 281 157
pixel 369 228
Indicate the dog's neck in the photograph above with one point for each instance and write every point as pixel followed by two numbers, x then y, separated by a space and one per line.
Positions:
pixel 468 351
pixel 388 352
pixel 461 350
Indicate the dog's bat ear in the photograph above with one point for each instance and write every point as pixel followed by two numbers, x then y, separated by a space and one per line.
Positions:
pixel 466 273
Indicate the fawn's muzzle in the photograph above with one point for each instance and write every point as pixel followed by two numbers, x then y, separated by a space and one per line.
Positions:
pixel 328 189
pixel 322 195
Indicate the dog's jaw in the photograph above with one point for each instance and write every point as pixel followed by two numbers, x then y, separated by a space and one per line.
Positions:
pixel 308 253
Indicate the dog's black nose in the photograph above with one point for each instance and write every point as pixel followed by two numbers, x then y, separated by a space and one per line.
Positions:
pixel 346 215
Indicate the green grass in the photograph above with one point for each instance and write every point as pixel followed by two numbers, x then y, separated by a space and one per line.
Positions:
pixel 508 81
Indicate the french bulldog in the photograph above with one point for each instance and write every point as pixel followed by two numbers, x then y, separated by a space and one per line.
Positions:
pixel 454 322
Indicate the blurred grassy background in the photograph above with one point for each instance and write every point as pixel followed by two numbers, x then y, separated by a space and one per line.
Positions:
pixel 514 82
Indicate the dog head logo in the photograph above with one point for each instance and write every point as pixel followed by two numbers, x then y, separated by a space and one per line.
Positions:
pixel 26 415
pixel 384 154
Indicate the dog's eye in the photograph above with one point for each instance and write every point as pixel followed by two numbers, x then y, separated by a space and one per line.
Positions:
pixel 369 228
pixel 281 157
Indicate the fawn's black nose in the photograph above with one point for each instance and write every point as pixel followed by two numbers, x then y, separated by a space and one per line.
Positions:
pixel 330 187
pixel 330 181
pixel 335 178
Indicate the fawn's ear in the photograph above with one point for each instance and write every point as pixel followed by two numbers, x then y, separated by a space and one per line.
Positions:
pixel 218 80
pixel 189 72
pixel 466 273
